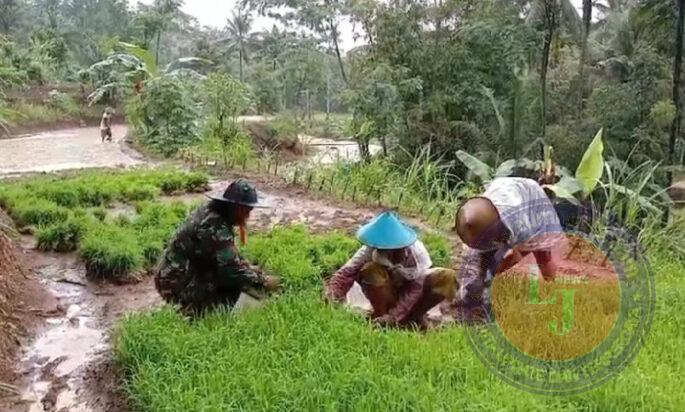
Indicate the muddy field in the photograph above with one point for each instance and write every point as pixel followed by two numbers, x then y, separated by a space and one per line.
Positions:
pixel 67 365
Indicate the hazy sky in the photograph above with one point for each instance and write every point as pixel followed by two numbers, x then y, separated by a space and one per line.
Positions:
pixel 215 12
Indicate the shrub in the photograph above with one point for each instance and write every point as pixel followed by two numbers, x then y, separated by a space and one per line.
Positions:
pixel 165 116
pixel 111 252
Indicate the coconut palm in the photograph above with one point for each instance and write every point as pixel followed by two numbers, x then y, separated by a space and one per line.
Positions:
pixel 550 15
pixel 239 37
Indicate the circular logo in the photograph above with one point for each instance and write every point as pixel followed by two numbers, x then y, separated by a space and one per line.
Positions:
pixel 565 311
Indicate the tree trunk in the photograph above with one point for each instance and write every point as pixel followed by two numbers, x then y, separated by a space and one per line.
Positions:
pixel 550 26
pixel 334 36
pixel 240 63
pixel 159 35
pixel 677 63
pixel 587 19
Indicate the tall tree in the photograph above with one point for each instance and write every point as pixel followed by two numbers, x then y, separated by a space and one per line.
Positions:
pixel 587 19
pixel 677 63
pixel 166 10
pixel 321 16
pixel 239 27
pixel 549 15
pixel 550 24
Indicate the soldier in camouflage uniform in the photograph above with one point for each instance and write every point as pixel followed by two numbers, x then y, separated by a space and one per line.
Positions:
pixel 201 268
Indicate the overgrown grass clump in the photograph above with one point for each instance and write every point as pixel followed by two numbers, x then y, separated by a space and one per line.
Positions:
pixel 299 353
pixel 70 213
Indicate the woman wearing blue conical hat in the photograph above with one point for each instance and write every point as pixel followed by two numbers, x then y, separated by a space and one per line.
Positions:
pixel 394 271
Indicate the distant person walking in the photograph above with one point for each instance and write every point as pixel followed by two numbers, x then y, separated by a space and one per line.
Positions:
pixel 106 125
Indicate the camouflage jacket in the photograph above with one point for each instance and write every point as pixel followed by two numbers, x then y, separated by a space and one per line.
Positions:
pixel 204 249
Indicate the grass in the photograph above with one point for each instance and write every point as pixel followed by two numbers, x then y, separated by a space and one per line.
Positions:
pixel 26 113
pixel 69 213
pixel 298 353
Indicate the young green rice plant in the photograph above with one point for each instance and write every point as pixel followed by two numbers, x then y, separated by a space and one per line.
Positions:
pixel 172 183
pixel 439 248
pixel 196 182
pixel 111 252
pixel 152 243
pixel 134 193
pixel 299 353
pixel 99 213
pixel 27 211
pixel 63 236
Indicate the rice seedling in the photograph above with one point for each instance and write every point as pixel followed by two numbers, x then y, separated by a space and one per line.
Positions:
pixel 63 236
pixel 299 353
pixel 111 252
pixel 70 213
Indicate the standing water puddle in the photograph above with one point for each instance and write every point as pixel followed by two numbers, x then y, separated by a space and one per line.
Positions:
pixel 70 341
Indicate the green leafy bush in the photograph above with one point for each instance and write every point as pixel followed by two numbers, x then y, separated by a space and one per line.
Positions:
pixel 165 115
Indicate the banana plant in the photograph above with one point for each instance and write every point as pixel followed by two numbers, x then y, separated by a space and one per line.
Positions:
pixel 587 176
pixel 513 167
pixel 134 66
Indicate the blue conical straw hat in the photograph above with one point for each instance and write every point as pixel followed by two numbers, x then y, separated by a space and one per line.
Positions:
pixel 386 231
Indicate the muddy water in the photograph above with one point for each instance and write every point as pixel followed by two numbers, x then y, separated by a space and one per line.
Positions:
pixel 70 340
pixel 329 151
pixel 64 149
pixel 76 333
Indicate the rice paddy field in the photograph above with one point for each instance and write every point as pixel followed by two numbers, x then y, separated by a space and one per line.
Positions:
pixel 299 353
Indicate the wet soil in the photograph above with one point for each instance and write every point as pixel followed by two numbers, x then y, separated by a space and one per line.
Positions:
pixel 69 365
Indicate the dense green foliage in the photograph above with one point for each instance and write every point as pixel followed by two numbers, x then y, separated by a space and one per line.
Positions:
pixel 300 353
pixel 69 213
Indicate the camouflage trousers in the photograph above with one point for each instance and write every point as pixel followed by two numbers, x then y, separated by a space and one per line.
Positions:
pixel 194 292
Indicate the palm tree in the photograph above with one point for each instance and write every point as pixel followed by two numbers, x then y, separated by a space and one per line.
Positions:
pixel 587 19
pixel 550 15
pixel 238 28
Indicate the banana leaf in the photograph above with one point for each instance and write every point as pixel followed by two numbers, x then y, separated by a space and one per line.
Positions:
pixel 591 167
pixel 481 170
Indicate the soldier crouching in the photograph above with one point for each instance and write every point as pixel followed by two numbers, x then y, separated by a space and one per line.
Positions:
pixel 201 268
